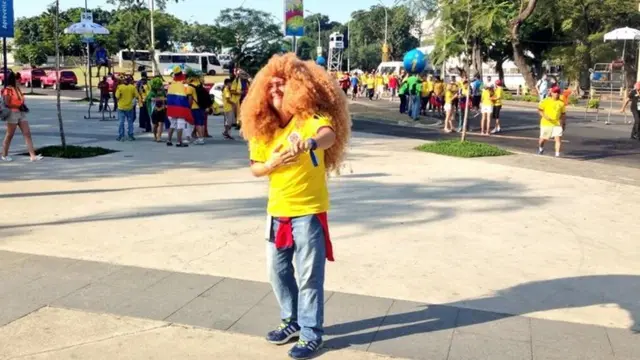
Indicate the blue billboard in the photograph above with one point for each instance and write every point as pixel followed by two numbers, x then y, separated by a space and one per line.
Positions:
pixel 6 19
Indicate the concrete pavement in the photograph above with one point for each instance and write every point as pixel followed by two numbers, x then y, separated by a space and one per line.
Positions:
pixel 486 234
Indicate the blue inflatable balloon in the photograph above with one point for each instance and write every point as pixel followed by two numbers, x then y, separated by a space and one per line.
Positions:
pixel 415 61
pixel 321 61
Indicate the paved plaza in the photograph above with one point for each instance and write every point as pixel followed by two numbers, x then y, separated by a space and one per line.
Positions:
pixel 156 252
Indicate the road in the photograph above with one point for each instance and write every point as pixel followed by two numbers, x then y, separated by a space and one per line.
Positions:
pixel 586 138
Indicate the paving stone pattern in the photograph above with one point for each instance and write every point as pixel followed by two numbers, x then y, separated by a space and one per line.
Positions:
pixel 379 325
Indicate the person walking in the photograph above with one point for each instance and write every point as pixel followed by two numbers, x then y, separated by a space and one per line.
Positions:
pixel 542 87
pixel 498 94
pixel 632 98
pixel 178 107
pixel 13 99
pixel 126 95
pixel 297 123
pixel 552 121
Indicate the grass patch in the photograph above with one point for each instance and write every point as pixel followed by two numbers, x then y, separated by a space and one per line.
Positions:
pixel 466 149
pixel 73 151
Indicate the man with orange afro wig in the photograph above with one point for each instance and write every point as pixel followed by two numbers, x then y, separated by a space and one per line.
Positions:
pixel 297 122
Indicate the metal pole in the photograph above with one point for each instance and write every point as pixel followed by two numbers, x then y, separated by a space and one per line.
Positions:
pixel 153 37
pixel 349 49
pixel 319 39
pixel 4 60
pixel 86 9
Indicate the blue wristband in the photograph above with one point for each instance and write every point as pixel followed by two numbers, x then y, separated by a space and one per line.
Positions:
pixel 313 143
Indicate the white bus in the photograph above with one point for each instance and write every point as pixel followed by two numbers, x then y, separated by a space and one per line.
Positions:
pixel 207 63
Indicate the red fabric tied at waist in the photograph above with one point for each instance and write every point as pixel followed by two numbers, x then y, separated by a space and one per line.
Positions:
pixel 284 235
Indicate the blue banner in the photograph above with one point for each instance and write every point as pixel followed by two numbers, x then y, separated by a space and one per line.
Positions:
pixel 6 18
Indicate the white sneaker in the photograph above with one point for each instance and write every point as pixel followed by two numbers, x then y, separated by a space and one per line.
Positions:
pixel 7 158
pixel 37 158
pixel 199 141
pixel 495 130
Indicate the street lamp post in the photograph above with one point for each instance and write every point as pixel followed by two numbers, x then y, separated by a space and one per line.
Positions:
pixel 152 51
pixel 319 47
pixel 385 47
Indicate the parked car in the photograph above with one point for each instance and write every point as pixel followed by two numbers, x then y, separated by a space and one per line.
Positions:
pixel 67 79
pixel 29 77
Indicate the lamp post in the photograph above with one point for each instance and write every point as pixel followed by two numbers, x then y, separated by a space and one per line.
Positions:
pixel 319 47
pixel 385 46
pixel 152 29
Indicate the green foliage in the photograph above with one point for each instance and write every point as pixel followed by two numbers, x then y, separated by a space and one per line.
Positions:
pixel 73 152
pixel 524 98
pixel 31 54
pixel 464 149
pixel 573 100
pixel 593 104
pixel 507 95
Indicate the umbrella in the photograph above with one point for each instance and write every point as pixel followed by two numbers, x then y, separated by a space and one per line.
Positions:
pixel 625 33
pixel 86 28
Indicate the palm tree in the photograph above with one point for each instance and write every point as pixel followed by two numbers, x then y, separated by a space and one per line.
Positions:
pixel 59 110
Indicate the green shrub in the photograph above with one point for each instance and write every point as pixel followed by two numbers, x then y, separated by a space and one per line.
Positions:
pixel 464 149
pixel 573 100
pixel 593 103
pixel 507 95
pixel 530 98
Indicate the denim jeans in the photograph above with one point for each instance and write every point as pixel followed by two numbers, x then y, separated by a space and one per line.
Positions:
pixel 128 115
pixel 303 301
pixel 414 111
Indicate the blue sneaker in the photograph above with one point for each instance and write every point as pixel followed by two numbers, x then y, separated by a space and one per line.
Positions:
pixel 284 333
pixel 305 349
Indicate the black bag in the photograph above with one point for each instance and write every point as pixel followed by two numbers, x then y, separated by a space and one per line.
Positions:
pixel 203 99
pixel 24 108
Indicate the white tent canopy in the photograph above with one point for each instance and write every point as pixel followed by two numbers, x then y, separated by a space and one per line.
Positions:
pixel 625 33
pixel 86 28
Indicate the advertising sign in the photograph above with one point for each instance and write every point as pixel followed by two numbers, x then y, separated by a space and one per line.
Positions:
pixel 293 18
pixel 6 18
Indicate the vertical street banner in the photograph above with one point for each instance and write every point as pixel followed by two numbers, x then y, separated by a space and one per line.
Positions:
pixel 293 18
pixel 6 19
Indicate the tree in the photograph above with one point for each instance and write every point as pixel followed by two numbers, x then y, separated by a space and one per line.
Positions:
pixel 518 49
pixel 251 34
pixel 31 54
pixel 63 140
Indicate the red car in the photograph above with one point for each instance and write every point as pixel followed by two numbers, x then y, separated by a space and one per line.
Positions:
pixel 29 77
pixel 67 78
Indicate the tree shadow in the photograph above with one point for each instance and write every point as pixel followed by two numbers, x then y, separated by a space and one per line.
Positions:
pixel 362 200
pixel 562 293
pixel 594 149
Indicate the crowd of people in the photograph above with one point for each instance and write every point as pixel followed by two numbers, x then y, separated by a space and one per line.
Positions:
pixel 182 107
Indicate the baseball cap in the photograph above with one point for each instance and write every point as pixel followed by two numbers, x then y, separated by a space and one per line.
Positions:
pixel 555 90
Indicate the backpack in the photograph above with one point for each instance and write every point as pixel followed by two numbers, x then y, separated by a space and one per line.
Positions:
pixel 202 96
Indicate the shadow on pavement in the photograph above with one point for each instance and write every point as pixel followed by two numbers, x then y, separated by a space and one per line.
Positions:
pixel 593 149
pixel 526 298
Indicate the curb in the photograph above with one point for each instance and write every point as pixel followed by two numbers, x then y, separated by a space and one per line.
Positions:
pixel 50 97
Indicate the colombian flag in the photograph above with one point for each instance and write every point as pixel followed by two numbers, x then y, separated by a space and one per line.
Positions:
pixel 178 103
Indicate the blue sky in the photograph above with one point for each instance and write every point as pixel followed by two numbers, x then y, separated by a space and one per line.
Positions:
pixel 205 11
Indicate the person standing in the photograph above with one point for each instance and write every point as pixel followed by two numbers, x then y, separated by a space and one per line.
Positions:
pixel 402 94
pixel 633 98
pixel 298 125
pixel 13 99
pixel 354 86
pixel 542 87
pixel 552 120
pixel 415 89
pixel 371 85
pixel 126 95
pixel 476 93
pixel 498 94
pixel 143 89
pixel 427 90
pixel 393 86
pixel 178 107
pixel 486 106
pixel 103 86
pixel 227 108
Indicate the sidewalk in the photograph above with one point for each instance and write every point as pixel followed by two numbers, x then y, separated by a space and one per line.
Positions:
pixel 410 229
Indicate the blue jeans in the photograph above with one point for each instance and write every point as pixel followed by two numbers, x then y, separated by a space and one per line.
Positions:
pixel 414 111
pixel 303 301
pixel 128 115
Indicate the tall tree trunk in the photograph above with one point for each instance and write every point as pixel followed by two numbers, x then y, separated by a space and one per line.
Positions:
pixel 518 51
pixel 500 70
pixel 476 57
pixel 63 140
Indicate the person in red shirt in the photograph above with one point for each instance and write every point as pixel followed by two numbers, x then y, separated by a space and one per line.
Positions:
pixel 393 86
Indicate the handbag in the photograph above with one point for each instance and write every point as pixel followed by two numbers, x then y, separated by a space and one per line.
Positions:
pixel 5 112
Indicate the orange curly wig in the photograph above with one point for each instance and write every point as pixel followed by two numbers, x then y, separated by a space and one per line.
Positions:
pixel 310 90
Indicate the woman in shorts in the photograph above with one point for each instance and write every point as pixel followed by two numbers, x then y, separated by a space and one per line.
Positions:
pixel 486 109
pixel 13 99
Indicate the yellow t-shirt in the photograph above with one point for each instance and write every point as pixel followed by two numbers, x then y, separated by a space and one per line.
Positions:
pixel 454 87
pixel 227 100
pixel 486 98
pixel 448 96
pixel 300 188
pixel 553 109
pixel 438 88
pixel 371 82
pixel 191 91
pixel 427 87
pixel 465 90
pixel 236 89
pixel 125 95
pixel 497 95
pixel 379 80
pixel 385 79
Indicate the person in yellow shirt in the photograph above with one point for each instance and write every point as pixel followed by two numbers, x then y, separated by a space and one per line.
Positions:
pixel 227 108
pixel 455 88
pixel 379 85
pixel 552 120
pixel 486 109
pixel 498 94
pixel 450 95
pixel 371 86
pixel 126 95
pixel 236 91
pixel 199 114
pixel 427 90
pixel 438 92
pixel 295 146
